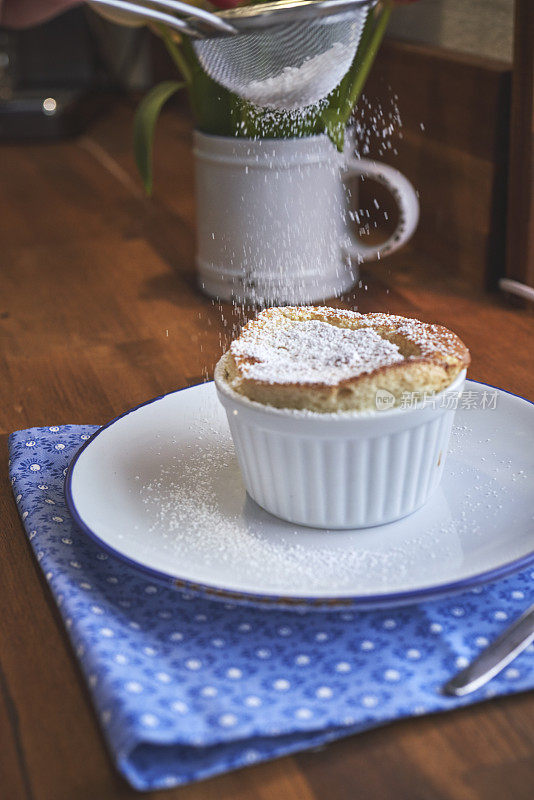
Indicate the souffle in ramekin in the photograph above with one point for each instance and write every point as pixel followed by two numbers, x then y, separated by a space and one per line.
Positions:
pixel 340 419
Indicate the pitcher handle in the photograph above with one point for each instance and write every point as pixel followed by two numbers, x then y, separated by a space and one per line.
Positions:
pixel 405 196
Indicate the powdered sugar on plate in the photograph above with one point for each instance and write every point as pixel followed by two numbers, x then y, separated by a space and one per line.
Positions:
pixel 312 351
pixel 200 514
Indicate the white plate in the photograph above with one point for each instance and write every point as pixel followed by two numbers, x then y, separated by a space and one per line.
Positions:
pixel 160 488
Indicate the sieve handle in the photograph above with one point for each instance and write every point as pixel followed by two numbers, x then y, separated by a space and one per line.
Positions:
pixel 199 23
pixel 405 197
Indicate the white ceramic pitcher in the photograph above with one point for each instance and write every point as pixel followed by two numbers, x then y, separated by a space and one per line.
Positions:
pixel 272 218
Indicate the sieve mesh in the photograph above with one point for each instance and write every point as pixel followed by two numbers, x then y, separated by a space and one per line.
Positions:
pixel 285 66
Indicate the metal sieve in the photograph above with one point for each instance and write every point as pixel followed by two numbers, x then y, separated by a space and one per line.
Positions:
pixel 286 54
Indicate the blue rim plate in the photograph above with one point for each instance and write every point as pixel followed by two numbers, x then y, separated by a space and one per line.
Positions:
pixel 159 488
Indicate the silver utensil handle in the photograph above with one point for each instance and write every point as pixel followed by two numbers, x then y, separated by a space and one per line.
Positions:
pixel 149 14
pixel 495 657
pixel 193 12
pixel 208 22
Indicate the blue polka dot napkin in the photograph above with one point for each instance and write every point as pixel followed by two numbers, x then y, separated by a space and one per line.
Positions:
pixel 186 688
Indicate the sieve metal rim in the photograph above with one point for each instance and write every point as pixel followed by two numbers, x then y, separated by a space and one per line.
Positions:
pixel 269 15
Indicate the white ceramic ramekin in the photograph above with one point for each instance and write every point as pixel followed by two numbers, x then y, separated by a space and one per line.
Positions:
pixel 347 470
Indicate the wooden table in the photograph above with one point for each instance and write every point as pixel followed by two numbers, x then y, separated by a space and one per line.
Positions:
pixel 99 311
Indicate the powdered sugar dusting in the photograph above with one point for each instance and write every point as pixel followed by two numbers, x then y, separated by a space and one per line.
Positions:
pixel 295 87
pixel 199 514
pixel 312 351
pixel 317 344
pixel 186 512
pixel 430 339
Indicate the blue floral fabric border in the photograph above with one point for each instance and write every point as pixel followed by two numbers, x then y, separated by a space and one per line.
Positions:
pixel 186 688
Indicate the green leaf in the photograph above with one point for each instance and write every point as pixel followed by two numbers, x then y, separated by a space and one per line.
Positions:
pixel 145 120
pixel 334 127
pixel 343 99
pixel 212 104
pixel 176 54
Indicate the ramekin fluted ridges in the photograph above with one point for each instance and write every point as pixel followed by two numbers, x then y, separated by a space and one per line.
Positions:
pixel 347 470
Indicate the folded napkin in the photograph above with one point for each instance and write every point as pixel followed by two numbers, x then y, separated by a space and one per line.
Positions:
pixel 186 688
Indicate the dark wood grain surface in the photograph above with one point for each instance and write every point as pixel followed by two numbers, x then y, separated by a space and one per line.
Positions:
pixel 455 112
pixel 99 311
pixel 520 251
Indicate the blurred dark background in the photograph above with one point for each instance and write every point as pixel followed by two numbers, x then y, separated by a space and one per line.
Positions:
pixel 56 76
